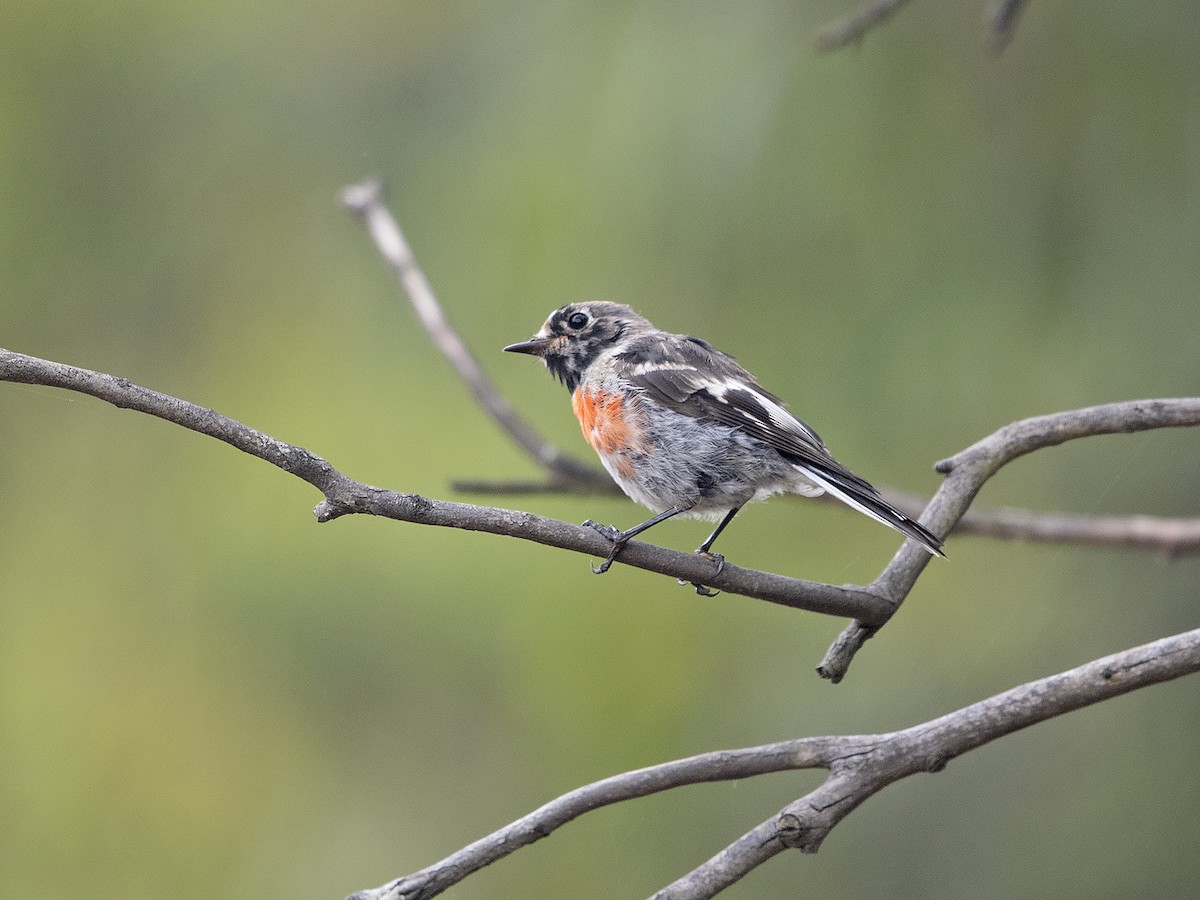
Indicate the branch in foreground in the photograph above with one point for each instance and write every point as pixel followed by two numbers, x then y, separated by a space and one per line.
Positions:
pixel 967 472
pixel 366 201
pixel 344 496
pixel 859 767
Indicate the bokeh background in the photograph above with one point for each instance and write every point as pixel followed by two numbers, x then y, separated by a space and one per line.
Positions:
pixel 203 694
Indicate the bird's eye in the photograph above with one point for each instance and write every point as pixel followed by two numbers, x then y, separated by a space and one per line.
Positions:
pixel 577 320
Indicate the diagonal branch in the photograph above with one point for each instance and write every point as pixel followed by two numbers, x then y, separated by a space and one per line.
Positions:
pixel 366 201
pixel 344 496
pixel 855 26
pixel 859 767
pixel 967 472
pixel 723 765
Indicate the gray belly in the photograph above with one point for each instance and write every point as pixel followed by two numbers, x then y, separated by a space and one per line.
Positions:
pixel 712 468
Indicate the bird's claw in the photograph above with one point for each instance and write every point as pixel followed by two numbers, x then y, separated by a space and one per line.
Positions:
pixel 704 590
pixel 607 564
pixel 618 541
pixel 609 531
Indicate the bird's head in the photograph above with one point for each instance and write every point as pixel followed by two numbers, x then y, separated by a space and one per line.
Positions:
pixel 576 335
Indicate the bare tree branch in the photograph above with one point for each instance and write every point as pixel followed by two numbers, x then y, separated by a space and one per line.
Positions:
pixel 859 767
pixel 344 496
pixel 367 202
pixel 967 472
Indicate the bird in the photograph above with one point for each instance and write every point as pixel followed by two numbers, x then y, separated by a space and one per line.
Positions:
pixel 685 430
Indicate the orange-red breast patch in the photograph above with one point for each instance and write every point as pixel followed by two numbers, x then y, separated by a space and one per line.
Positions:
pixel 602 417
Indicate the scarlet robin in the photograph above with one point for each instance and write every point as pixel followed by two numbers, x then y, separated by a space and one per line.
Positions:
pixel 687 431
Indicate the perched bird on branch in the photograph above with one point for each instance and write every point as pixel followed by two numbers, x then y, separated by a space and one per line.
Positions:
pixel 685 430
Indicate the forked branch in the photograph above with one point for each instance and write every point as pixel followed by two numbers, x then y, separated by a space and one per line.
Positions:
pixel 859 767
pixel 967 472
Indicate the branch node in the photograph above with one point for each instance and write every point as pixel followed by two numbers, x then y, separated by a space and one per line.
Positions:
pixel 839 656
pixel 327 511
pixel 358 198
pixel 791 831
pixel 937 763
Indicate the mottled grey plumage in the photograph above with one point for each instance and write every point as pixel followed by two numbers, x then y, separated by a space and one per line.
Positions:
pixel 684 429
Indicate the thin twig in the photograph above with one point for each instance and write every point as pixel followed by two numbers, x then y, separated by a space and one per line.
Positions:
pixel 1172 537
pixel 967 472
pixel 1004 24
pixel 854 27
pixel 366 201
pixel 344 496
pixel 859 766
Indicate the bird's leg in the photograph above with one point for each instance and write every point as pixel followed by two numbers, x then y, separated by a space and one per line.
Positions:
pixel 621 538
pixel 703 550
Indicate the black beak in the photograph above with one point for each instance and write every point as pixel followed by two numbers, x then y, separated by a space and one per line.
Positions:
pixel 534 346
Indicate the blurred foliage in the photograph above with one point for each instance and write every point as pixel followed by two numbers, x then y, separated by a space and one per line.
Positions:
pixel 202 694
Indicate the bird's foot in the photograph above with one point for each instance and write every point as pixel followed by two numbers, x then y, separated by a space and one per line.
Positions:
pixel 702 589
pixel 716 558
pixel 618 541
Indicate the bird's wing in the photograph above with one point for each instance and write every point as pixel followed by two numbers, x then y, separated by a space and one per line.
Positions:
pixel 693 378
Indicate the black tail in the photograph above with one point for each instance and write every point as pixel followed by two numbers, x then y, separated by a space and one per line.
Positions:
pixel 862 496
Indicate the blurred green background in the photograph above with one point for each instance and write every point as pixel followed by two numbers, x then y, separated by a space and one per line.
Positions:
pixel 204 694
